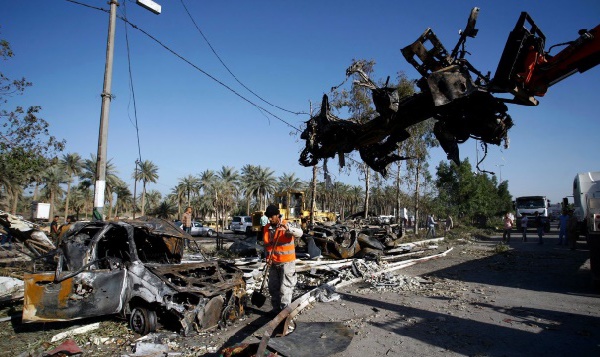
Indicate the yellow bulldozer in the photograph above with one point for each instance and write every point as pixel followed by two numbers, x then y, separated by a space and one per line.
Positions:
pixel 292 207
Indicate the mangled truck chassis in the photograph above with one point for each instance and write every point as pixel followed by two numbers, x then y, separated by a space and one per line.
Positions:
pixel 132 269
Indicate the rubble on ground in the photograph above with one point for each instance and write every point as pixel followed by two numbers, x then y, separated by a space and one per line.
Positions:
pixel 30 235
pixel 373 252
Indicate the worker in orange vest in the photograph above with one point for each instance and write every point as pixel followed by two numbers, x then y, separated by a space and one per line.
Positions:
pixel 278 237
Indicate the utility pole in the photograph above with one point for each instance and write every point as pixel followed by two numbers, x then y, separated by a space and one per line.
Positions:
pixel 103 135
pixel 135 176
pixel 99 187
pixel 313 186
pixel 500 169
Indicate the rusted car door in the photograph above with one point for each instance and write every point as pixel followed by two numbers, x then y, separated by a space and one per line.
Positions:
pixel 87 294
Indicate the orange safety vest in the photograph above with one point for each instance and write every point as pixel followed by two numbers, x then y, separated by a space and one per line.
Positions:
pixel 285 251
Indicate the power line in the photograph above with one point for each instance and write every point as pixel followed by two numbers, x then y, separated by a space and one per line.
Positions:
pixel 131 87
pixel 227 68
pixel 261 109
pixel 190 63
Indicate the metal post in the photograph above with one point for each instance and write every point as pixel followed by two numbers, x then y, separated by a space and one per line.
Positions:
pixel 103 135
pixel 313 196
pixel 135 175
pixel 500 169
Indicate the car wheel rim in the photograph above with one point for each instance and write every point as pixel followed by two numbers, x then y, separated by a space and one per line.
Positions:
pixel 143 321
pixel 138 321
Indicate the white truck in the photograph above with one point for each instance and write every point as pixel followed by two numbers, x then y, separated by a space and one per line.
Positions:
pixel 40 211
pixel 586 199
pixel 528 206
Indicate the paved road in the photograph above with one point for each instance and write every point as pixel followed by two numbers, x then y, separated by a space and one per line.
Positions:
pixel 532 300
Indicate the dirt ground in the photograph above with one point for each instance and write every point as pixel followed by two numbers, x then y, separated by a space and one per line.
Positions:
pixel 527 301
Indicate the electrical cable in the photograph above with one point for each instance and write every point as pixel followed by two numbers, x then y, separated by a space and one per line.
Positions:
pixel 190 63
pixel 227 68
pixel 131 87
pixel 261 109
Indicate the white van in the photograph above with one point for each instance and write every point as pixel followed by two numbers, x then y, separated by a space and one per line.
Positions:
pixel 241 224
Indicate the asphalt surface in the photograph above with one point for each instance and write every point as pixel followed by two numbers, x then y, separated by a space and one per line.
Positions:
pixel 531 300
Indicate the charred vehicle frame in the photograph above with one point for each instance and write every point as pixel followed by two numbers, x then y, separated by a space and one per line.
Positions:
pixel 132 269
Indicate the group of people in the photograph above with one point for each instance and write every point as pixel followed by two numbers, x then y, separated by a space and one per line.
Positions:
pixel 568 227
pixel 56 230
pixel 431 223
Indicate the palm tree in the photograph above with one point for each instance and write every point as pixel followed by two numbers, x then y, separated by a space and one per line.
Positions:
pixel 78 201
pixel 356 196
pixel 204 205
pixel 206 178
pixel 178 193
pixel 190 185
pixel 89 173
pixel 148 172
pixel 289 182
pixel 72 164
pixel 229 179
pixel 153 198
pixel 248 172
pixel 88 195
pixel 166 209
pixel 261 184
pixel 53 178
pixel 340 193
pixel 124 197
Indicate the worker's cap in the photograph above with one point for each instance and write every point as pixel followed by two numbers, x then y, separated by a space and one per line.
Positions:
pixel 271 211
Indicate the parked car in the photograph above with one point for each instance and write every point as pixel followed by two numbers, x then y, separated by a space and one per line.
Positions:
pixel 241 224
pixel 198 229
pixel 132 269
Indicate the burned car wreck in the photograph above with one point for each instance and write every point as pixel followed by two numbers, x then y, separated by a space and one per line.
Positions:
pixel 133 269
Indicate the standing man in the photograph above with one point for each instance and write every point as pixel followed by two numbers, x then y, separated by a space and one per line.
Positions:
pixel 539 224
pixel 186 223
pixel 430 226
pixel 54 229
pixel 278 238
pixel 572 230
pixel 508 223
pixel 449 224
pixel 562 227
pixel 524 221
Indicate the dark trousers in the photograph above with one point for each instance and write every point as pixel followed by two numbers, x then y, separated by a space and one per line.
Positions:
pixel 506 235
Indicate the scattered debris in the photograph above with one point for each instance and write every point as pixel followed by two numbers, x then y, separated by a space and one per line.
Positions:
pixel 134 268
pixel 75 331
pixel 10 289
pixel 27 233
pixel 67 348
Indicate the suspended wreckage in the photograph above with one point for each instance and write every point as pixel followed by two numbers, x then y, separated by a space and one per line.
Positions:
pixel 463 107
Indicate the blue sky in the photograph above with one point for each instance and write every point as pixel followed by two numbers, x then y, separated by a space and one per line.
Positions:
pixel 290 53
